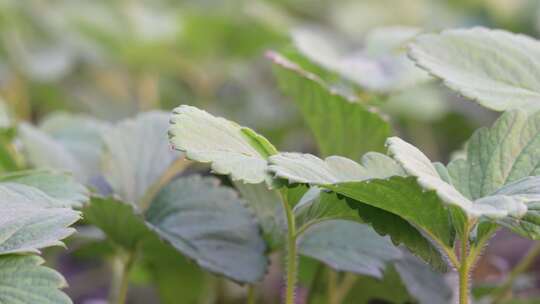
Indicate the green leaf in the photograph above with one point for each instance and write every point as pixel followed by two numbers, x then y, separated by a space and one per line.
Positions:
pixel 348 246
pixel 318 206
pixel 61 187
pixel 268 209
pixel 422 283
pixel 309 169
pixel 26 228
pixel 379 202
pixel 496 68
pixel 44 152
pixel 82 136
pixel 416 164
pixel 137 155
pixel 119 221
pixel 23 280
pixel 210 224
pixel 380 66
pixel 527 191
pixel 333 118
pixel 231 149
pixel 499 155
pixel 30 219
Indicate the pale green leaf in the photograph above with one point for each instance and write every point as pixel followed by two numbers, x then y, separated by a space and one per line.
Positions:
pixel 231 149
pixel 23 280
pixel 307 168
pixel 28 228
pixel 501 154
pixel 418 165
pixel 496 68
pixel 526 190
pixel 380 66
pixel 80 135
pixel 333 118
pixel 31 220
pixel 137 155
pixel 267 207
pixel 61 187
pixel 348 246
pixel 211 225
pixel 43 151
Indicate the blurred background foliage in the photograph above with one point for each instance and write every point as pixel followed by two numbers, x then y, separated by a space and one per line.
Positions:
pixel 111 59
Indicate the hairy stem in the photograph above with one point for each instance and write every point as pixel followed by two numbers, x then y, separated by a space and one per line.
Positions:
pixel 525 263
pixel 120 283
pixel 465 267
pixel 292 267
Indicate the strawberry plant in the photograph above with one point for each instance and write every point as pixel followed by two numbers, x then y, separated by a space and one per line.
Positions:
pixel 399 164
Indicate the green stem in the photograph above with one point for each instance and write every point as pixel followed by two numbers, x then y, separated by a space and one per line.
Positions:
pixel 340 289
pixel 252 295
pixel 331 286
pixel 292 266
pixel 120 284
pixel 465 267
pixel 522 266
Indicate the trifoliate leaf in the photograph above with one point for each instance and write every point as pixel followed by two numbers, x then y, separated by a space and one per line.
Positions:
pixel 348 246
pixel 493 67
pixel 210 224
pixel 23 280
pixel 230 148
pixel 379 201
pixel 61 187
pixel 137 155
pixel 333 118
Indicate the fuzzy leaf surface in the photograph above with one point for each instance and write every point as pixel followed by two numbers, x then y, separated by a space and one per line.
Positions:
pixel 231 149
pixel 496 68
pixel 24 280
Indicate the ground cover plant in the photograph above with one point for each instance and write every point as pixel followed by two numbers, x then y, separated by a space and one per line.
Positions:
pixel 262 152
